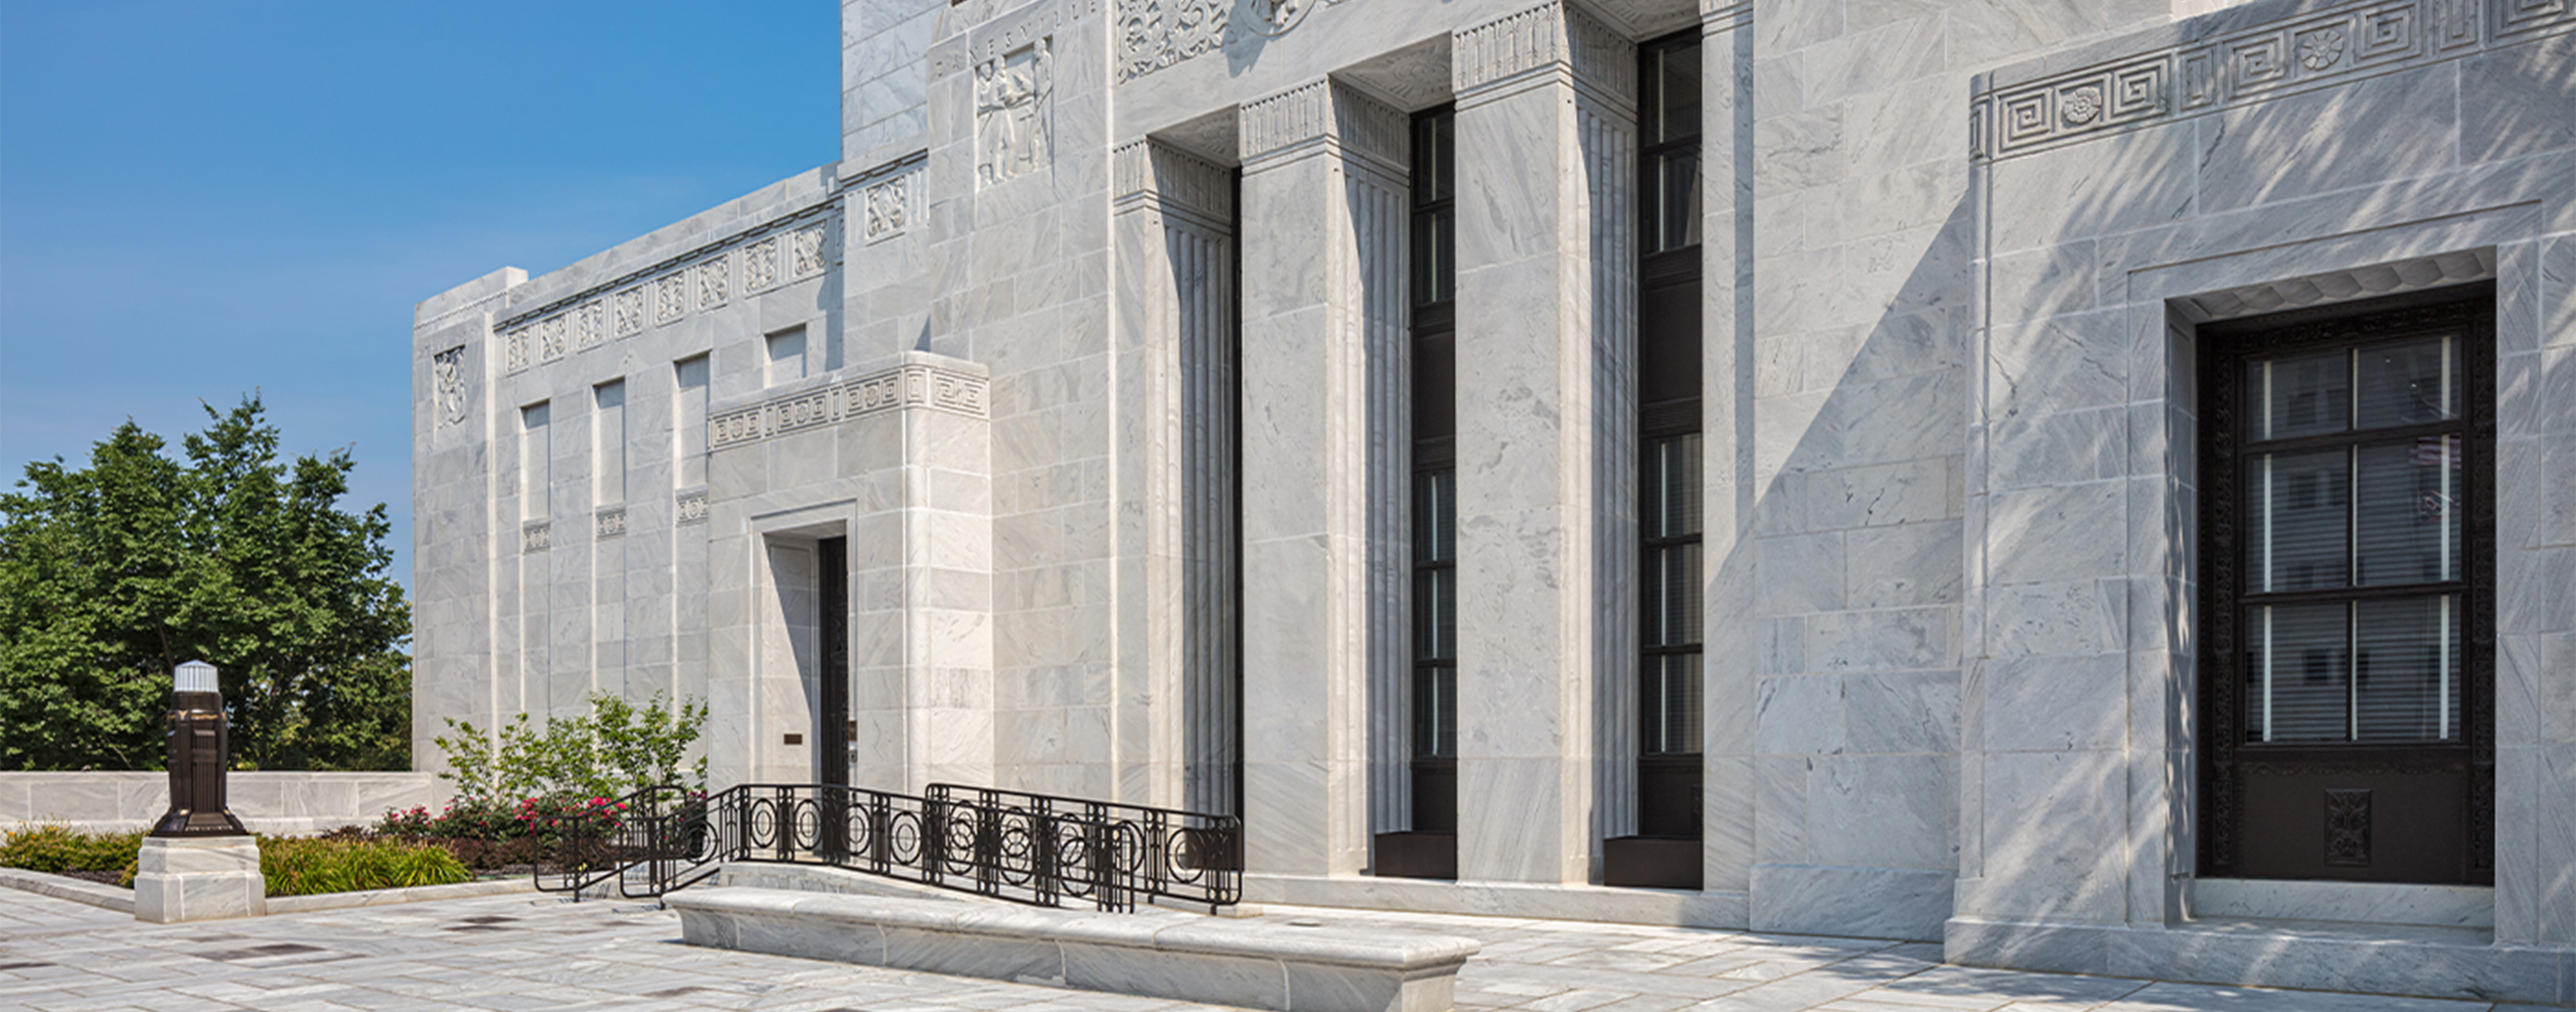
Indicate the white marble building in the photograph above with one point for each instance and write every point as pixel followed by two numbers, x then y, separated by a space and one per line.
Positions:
pixel 1840 463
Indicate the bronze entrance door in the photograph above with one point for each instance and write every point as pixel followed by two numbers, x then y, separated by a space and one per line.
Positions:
pixel 2347 669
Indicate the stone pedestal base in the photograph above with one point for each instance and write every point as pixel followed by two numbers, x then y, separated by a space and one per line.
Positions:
pixel 201 878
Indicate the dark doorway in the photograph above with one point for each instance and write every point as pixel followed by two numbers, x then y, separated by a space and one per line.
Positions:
pixel 832 715
pixel 2348 541
pixel 833 727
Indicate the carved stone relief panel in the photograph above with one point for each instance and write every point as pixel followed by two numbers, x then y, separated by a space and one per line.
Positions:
pixel 1154 34
pixel 714 281
pixel 1012 105
pixel 670 297
pixel 447 372
pixel 626 311
pixel 890 205
pixel 805 252
pixel 760 265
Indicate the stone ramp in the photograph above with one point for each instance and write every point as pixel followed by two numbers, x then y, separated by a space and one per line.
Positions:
pixel 1263 963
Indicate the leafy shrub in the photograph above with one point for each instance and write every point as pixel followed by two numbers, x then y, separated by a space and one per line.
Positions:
pixel 304 866
pixel 616 749
pixel 53 847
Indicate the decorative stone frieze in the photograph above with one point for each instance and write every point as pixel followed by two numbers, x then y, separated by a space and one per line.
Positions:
pixel 1155 34
pixel 1321 113
pixel 447 369
pixel 609 522
pixel 889 204
pixel 536 536
pixel 902 386
pixel 1148 174
pixel 805 252
pixel 2314 50
pixel 715 281
pixel 690 506
pixel 760 265
pixel 702 279
pixel 1493 58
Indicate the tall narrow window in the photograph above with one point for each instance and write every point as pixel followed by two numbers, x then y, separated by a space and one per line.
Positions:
pixel 1665 852
pixel 536 462
pixel 1430 849
pixel 608 443
pixel 689 423
pixel 2349 593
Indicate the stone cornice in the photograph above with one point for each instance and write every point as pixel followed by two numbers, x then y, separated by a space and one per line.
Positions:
pixel 1323 113
pixel 1147 173
pixel 1503 55
pixel 909 385
pixel 785 249
pixel 2221 61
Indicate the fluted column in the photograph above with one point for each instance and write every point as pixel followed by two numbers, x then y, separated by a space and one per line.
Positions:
pixel 1547 532
pixel 1323 440
pixel 1175 477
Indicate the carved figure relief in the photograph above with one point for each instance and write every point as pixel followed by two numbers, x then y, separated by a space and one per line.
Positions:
pixel 1012 95
pixel 447 372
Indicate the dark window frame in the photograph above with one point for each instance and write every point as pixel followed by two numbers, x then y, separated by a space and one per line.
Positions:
pixel 2224 754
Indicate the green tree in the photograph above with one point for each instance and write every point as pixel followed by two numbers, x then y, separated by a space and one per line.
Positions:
pixel 111 575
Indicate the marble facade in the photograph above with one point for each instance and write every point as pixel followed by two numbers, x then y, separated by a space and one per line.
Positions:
pixel 1954 256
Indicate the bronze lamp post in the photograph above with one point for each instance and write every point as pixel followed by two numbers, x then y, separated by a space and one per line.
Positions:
pixel 200 745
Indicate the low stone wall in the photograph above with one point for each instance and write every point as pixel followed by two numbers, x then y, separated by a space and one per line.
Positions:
pixel 281 802
pixel 1259 963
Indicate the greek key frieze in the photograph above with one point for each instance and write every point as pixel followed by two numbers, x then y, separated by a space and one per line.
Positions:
pixel 2314 50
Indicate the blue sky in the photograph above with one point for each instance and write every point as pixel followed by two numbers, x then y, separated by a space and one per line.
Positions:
pixel 199 200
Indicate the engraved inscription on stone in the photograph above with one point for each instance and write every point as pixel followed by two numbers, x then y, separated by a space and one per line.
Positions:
pixel 448 370
pixel 1012 93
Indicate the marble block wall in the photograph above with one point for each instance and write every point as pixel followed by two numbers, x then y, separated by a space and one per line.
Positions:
pixel 2244 194
pixel 531 599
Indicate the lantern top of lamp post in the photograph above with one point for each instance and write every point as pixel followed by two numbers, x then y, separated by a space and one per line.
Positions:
pixel 194 676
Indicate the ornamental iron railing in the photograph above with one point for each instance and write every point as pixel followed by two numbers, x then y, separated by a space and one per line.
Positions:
pixel 1027 848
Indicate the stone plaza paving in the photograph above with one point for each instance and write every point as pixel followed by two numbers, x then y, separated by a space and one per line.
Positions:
pixel 528 952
